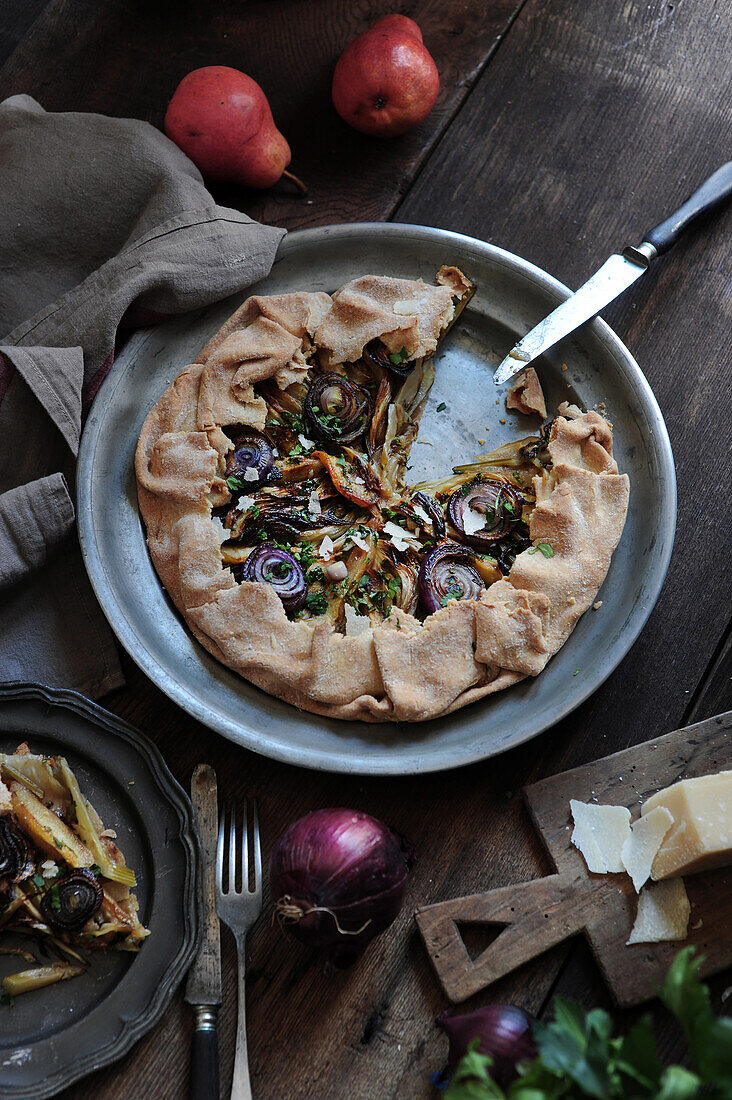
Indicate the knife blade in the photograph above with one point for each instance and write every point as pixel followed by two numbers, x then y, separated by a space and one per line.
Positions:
pixel 618 273
pixel 203 986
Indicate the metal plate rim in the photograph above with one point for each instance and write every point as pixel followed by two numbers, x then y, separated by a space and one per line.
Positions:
pixel 345 763
pixel 132 1028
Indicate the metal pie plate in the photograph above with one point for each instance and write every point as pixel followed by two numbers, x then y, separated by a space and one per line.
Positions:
pixel 53 1036
pixel 512 296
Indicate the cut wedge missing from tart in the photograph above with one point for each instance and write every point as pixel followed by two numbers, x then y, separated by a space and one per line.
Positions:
pixel 272 481
pixel 64 883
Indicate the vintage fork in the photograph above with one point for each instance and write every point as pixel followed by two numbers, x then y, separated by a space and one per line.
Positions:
pixel 239 909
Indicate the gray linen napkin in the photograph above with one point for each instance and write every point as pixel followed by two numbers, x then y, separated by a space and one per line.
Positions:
pixel 106 225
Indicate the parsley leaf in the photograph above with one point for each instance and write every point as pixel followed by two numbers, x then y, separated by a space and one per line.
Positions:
pixel 710 1038
pixel 545 547
pixel 441 406
pixel 235 485
pixel 316 602
pixel 400 357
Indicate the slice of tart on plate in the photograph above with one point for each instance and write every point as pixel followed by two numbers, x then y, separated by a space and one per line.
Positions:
pixel 64 884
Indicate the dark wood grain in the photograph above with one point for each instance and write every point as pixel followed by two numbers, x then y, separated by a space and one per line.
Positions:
pixel 559 135
pixel 15 23
pixel 126 57
pixel 611 127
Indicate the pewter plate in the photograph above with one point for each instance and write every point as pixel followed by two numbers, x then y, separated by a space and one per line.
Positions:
pixel 51 1037
pixel 512 296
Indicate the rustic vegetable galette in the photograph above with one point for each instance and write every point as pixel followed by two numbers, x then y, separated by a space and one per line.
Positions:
pixel 272 481
pixel 64 883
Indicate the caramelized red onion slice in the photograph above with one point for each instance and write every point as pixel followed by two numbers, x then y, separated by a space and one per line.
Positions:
pixel 376 354
pixel 499 501
pixel 267 564
pixel 16 857
pixel 252 451
pixel 71 901
pixel 448 573
pixel 336 408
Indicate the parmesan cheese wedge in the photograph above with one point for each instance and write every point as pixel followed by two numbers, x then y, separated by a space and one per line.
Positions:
pixel 701 835
pixel 663 913
pixel 639 850
pixel 600 833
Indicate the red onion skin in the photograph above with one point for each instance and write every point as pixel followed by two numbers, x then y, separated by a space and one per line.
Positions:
pixel 502 1031
pixel 349 864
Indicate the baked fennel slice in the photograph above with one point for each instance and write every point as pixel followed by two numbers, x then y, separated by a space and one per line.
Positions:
pixel 64 883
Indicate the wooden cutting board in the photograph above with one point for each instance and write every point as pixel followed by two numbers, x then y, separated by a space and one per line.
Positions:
pixel 539 914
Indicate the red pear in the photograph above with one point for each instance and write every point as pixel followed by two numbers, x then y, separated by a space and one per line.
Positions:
pixel 222 120
pixel 398 22
pixel 386 82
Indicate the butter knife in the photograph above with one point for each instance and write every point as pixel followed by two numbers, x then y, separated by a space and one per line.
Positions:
pixel 616 275
pixel 203 987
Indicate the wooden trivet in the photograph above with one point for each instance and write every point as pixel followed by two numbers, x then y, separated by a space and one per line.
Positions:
pixel 539 914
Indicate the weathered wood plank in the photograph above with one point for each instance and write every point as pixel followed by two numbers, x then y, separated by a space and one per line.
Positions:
pixel 16 19
pixel 126 59
pixel 594 121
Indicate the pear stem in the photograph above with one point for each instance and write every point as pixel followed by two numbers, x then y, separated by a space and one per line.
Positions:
pixel 298 182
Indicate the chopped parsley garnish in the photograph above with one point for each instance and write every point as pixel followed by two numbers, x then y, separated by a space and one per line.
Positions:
pixel 545 548
pixel 306 554
pixel 296 449
pixel 316 602
pixel 6 999
pixel 576 672
pixel 295 421
pixel 55 899
pixel 441 406
pixel 235 485
pixel 59 843
pixel 399 357
pixel 315 574
pixel 38 880
pixel 331 421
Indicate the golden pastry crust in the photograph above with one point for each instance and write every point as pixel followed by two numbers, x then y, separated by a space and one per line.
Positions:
pixel 526 394
pixel 403 669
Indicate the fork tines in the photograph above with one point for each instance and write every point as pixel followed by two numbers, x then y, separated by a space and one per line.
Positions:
pixel 236 879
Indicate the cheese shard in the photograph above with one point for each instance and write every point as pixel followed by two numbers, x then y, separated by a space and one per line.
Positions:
pixel 663 913
pixel 600 833
pixel 639 850
pixel 700 837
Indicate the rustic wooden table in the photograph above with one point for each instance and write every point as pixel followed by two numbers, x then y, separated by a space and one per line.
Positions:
pixel 562 131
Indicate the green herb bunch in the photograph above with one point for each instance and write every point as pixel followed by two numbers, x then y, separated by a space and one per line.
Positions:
pixel 578 1056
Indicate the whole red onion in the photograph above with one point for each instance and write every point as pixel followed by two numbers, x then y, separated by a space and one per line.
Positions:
pixel 502 1031
pixel 338 878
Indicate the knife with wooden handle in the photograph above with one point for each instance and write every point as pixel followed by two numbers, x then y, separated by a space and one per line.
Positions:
pixel 203 987
pixel 616 275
